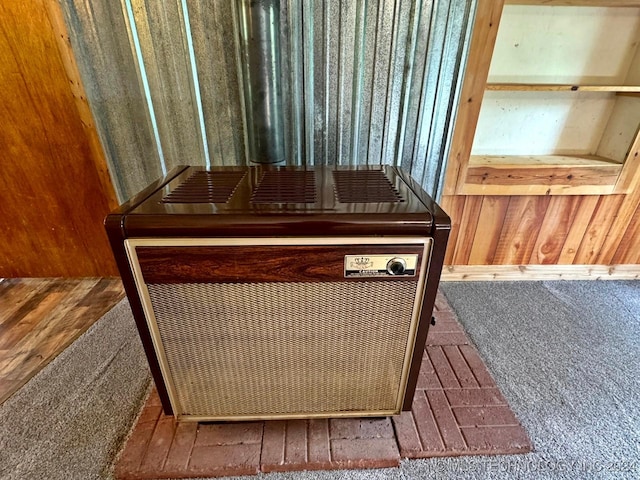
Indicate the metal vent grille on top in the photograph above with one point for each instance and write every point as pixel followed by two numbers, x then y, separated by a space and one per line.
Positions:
pixel 364 186
pixel 281 186
pixel 205 187
pixel 252 349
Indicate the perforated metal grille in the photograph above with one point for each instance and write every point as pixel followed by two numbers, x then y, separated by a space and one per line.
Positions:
pixel 284 186
pixel 206 187
pixel 264 349
pixel 364 186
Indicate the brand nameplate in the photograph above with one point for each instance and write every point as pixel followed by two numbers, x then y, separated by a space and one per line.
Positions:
pixel 379 265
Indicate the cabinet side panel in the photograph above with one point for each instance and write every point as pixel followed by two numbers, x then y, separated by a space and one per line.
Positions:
pixel 621 129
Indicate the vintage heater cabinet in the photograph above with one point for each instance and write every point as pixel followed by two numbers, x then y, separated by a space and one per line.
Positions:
pixel 281 292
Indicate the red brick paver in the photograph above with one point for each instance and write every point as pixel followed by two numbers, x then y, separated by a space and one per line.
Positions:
pixel 457 410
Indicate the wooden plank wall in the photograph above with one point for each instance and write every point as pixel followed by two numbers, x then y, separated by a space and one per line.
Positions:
pixel 543 230
pixel 54 186
pixel 528 229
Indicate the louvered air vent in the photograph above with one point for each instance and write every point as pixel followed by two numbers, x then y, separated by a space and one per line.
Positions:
pixel 205 187
pixel 282 186
pixel 364 186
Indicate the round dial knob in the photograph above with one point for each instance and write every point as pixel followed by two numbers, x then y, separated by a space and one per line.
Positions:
pixel 396 266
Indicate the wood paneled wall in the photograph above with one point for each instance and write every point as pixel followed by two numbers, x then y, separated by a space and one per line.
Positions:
pixel 543 230
pixel 521 229
pixel 54 186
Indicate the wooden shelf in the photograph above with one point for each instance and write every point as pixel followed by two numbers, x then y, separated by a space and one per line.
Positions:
pixel 540 50
pixel 540 175
pixel 577 3
pixel 552 87
pixel 541 161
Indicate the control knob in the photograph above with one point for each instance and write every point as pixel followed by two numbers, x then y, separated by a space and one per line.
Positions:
pixel 396 266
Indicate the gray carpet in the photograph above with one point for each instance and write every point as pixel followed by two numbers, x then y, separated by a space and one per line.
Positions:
pixel 70 420
pixel 565 354
pixel 567 357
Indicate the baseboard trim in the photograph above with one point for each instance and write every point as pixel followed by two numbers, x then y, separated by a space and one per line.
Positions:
pixel 476 273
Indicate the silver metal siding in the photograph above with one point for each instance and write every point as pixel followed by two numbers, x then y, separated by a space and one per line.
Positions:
pixel 363 82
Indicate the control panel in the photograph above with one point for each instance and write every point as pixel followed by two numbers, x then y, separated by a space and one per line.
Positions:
pixel 380 265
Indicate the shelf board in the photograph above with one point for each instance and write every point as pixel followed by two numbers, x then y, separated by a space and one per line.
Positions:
pixel 556 87
pixel 577 3
pixel 540 161
pixel 540 175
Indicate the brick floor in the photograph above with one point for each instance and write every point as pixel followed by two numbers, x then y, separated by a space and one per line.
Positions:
pixel 457 410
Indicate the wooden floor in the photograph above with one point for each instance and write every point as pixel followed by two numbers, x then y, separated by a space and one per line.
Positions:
pixel 40 317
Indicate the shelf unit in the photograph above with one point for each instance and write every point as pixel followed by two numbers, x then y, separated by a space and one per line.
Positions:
pixel 561 107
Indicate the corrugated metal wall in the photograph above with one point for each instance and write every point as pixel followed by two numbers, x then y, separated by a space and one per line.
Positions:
pixel 363 82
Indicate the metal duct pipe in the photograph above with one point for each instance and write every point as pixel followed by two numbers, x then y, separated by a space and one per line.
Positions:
pixel 259 29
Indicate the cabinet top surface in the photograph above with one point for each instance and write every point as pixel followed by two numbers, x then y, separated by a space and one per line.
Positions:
pixel 283 190
pixel 377 199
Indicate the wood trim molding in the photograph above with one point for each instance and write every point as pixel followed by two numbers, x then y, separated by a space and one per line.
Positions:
pixel 478 273
pixel 483 39
pixel 554 87
pixel 577 3
pixel 540 175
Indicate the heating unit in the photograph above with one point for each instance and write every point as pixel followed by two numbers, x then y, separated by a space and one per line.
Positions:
pixel 281 292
